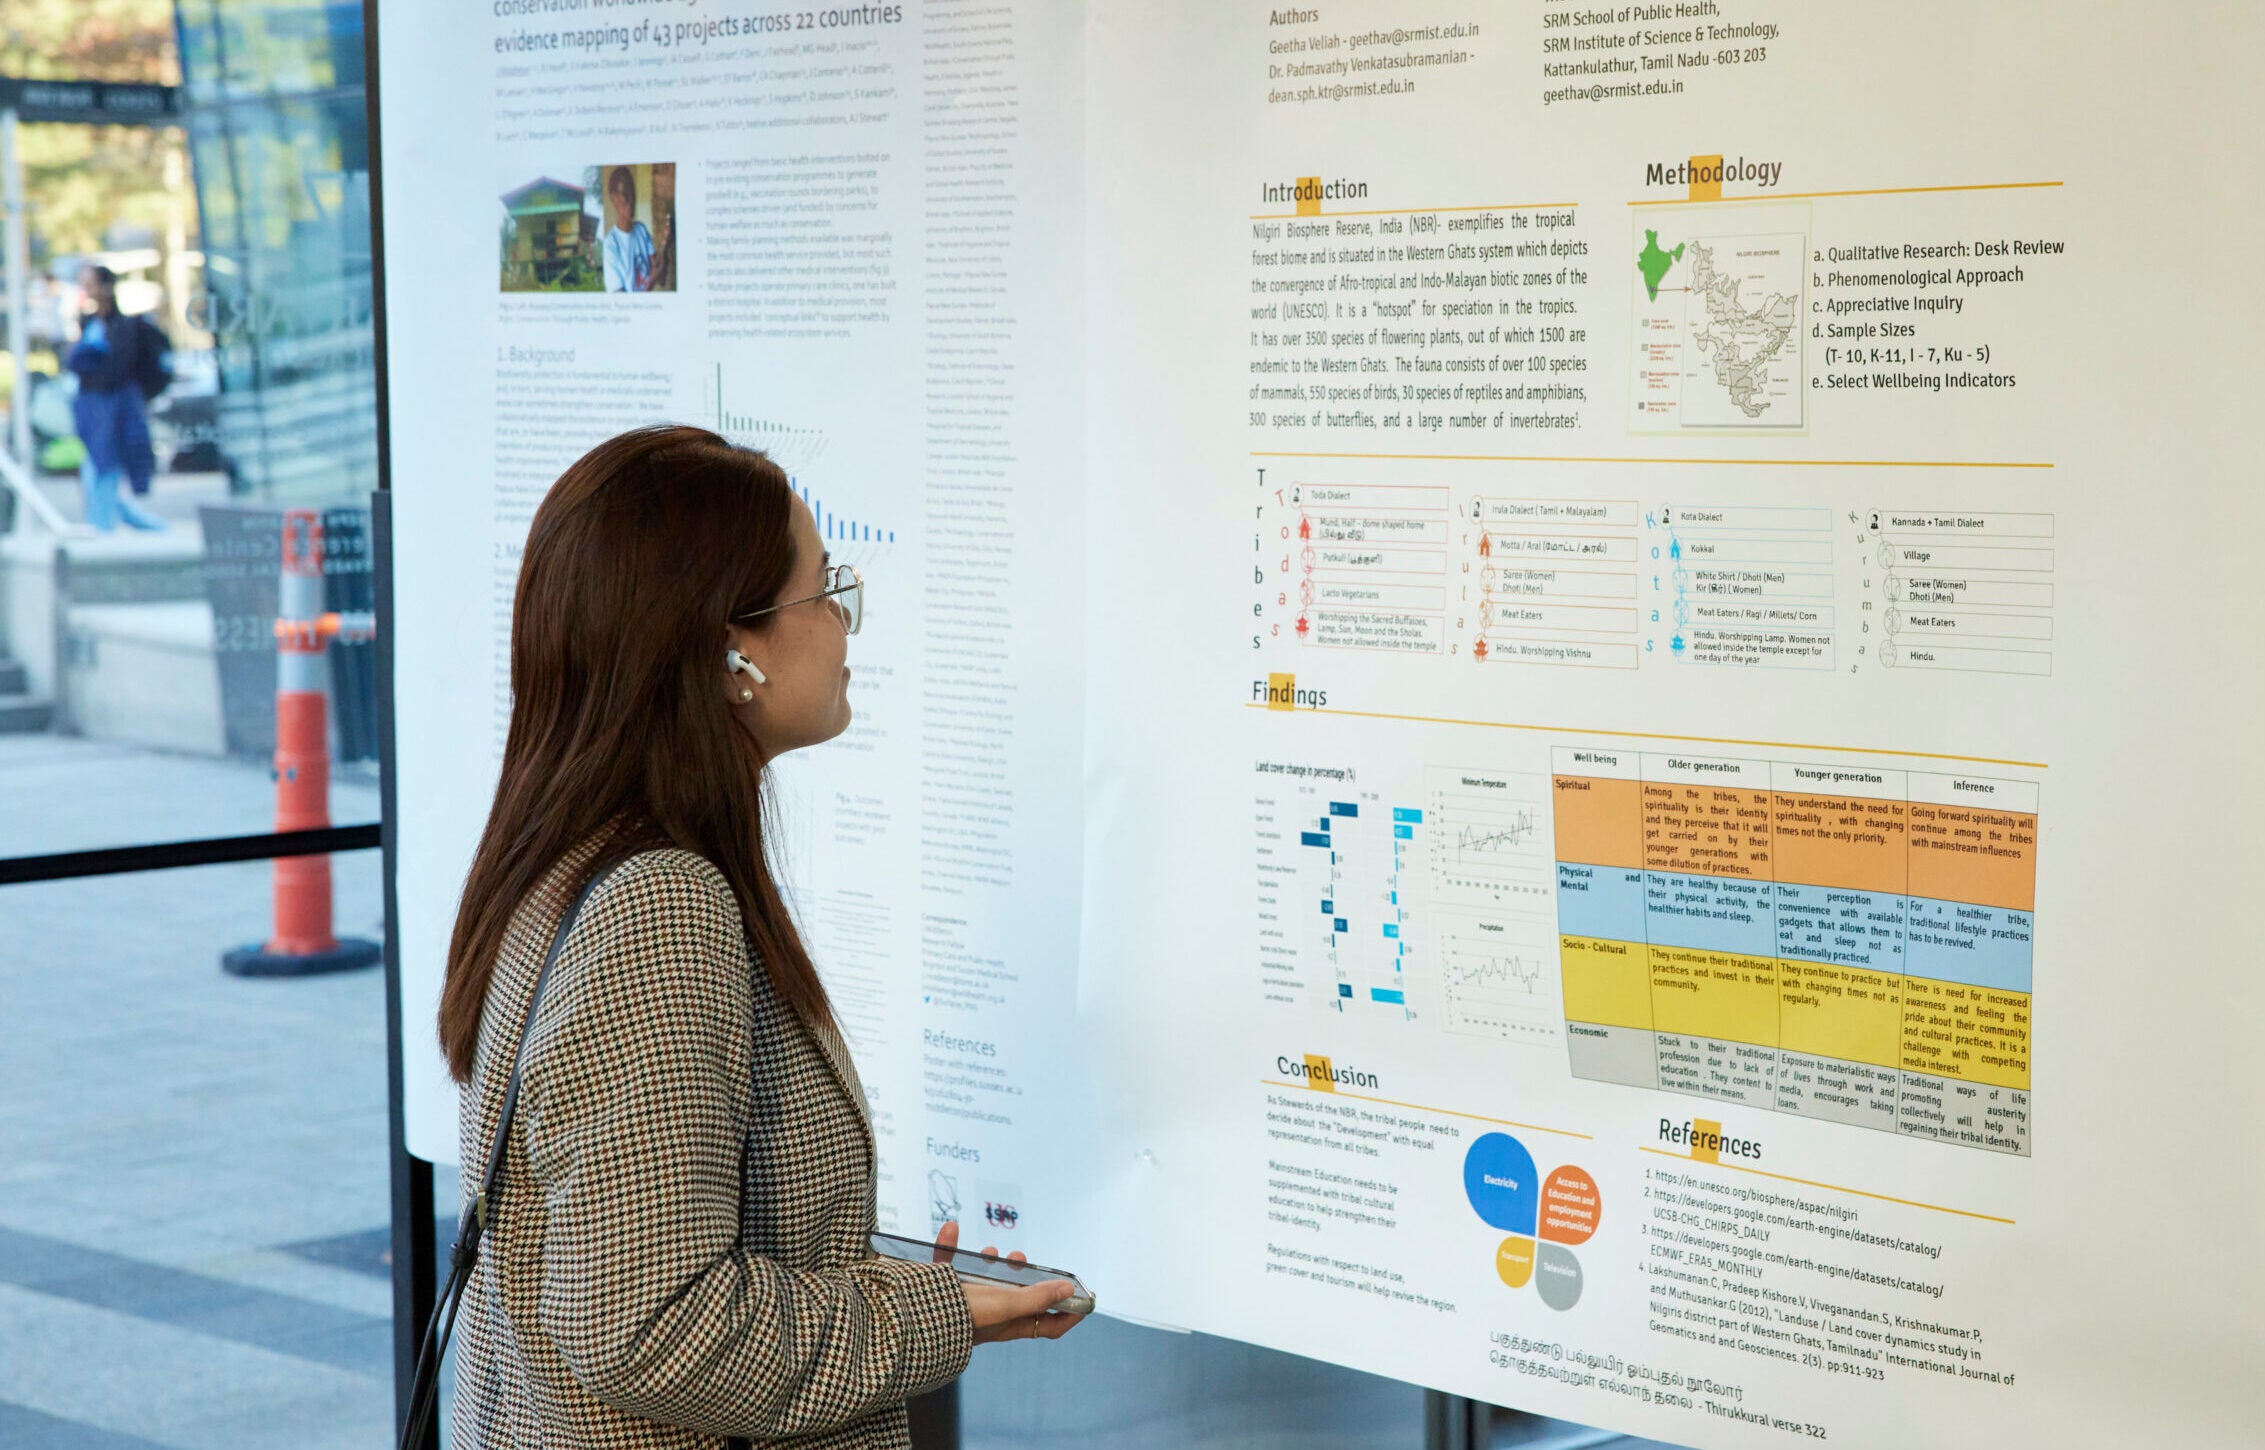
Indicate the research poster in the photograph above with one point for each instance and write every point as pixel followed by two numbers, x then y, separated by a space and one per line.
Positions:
pixel 1556 699
pixel 837 236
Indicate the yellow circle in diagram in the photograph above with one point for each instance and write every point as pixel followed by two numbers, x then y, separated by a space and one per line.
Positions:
pixel 1514 1261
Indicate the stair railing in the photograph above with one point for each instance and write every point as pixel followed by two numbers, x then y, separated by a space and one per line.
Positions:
pixel 18 481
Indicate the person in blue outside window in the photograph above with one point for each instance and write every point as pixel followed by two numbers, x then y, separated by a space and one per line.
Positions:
pixel 628 245
pixel 121 363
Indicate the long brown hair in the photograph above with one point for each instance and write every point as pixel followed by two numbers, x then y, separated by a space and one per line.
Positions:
pixel 621 731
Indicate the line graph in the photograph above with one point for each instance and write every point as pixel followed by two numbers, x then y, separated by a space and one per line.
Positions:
pixel 1487 836
pixel 1497 976
pixel 1470 842
pixel 1515 972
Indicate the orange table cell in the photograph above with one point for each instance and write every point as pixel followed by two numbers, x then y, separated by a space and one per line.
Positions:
pixel 1707 830
pixel 1599 822
pixel 1855 843
pixel 1974 854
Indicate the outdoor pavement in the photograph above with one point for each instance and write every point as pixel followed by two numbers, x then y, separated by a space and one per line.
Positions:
pixel 193 1177
pixel 173 497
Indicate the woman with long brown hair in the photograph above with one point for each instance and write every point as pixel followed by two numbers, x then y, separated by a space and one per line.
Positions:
pixel 677 1254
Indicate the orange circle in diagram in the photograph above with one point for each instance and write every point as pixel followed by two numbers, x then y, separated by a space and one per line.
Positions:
pixel 1514 1261
pixel 1570 1206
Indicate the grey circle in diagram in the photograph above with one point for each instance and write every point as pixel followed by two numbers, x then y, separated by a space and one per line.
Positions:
pixel 1557 1276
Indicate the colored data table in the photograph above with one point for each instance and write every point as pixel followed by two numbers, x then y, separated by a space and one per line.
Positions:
pixel 1833 941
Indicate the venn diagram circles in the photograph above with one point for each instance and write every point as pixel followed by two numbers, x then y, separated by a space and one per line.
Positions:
pixel 1542 1216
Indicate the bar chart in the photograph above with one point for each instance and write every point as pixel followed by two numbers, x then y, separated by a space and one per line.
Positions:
pixel 1357 867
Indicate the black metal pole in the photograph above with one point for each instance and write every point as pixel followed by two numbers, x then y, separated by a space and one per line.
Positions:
pixel 416 1258
pixel 415 1253
pixel 935 1419
pixel 1452 1422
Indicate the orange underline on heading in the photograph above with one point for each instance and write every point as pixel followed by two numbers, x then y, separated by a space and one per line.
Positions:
pixel 1292 216
pixel 1869 191
pixel 1427 1108
pixel 1657 735
pixel 1833 1187
pixel 1719 462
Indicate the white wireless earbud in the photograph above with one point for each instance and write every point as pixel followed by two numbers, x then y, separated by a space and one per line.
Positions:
pixel 740 664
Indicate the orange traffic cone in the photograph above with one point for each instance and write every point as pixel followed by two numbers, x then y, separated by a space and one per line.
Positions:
pixel 303 942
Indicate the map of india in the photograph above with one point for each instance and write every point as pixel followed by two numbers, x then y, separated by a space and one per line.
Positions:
pixel 1653 262
pixel 1742 341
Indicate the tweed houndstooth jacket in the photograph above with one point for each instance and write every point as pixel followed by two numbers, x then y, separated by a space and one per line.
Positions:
pixel 679 1256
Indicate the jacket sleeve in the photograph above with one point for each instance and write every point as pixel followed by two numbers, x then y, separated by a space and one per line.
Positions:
pixel 635 1098
pixel 100 369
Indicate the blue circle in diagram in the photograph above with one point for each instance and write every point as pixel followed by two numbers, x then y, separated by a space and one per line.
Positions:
pixel 1499 1178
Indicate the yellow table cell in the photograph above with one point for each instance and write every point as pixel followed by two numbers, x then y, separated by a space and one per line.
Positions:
pixel 1998 1030
pixel 1977 1034
pixel 1842 1012
pixel 1605 982
pixel 1714 994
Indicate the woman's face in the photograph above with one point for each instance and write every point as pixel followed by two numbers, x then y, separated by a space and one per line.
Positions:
pixel 802 651
pixel 624 202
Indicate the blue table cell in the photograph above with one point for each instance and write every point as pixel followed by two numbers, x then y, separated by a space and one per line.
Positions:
pixel 1313 838
pixel 1388 994
pixel 1600 901
pixel 1344 808
pixel 1955 941
pixel 1407 813
pixel 1845 928
pixel 1710 913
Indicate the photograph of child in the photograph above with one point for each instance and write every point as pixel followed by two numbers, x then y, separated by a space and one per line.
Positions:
pixel 628 242
pixel 637 238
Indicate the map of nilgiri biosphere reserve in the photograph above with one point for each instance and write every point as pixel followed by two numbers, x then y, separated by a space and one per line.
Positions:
pixel 1742 340
pixel 1717 324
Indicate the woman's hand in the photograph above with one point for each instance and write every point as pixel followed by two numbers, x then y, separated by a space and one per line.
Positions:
pixel 1002 1311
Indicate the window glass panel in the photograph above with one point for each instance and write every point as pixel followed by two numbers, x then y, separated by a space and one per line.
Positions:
pixel 141 586
pixel 193 1178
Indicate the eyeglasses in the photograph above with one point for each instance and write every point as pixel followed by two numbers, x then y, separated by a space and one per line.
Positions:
pixel 845 589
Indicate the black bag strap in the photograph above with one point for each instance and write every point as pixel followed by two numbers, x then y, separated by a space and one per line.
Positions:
pixel 465 1253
